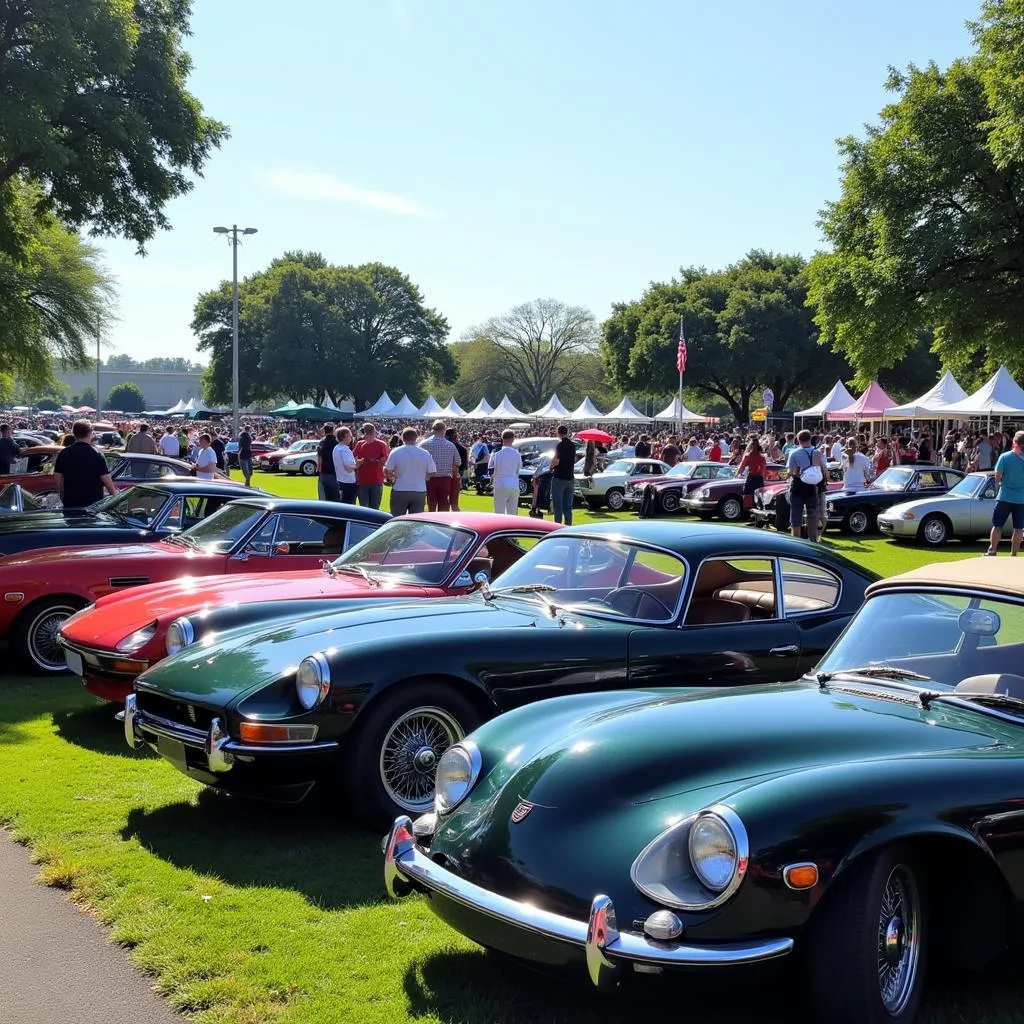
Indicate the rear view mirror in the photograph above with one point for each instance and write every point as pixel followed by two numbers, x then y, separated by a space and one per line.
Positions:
pixel 979 622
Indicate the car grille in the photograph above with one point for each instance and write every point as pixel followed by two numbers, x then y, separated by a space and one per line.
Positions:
pixel 178 711
pixel 759 500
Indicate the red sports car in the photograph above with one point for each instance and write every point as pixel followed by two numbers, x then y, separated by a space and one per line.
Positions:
pixel 41 589
pixel 429 555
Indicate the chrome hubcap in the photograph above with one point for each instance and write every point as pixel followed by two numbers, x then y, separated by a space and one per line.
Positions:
pixel 731 510
pixel 898 940
pixel 858 522
pixel 42 640
pixel 410 753
pixel 935 531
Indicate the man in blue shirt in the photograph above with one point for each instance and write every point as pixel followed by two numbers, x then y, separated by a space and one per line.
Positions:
pixel 1010 499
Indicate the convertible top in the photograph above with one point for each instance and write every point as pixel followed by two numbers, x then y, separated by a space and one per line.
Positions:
pixel 996 574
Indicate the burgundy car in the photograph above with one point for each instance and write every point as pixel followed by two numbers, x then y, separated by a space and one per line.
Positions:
pixel 669 490
pixel 725 499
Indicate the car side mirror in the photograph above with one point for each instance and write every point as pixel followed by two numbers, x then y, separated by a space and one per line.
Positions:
pixel 282 548
pixel 481 579
pixel 464 579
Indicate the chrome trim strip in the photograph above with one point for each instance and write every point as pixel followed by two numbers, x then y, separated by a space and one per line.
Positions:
pixel 407 869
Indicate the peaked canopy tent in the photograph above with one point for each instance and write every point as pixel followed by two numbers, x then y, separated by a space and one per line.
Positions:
pixel 505 410
pixel 431 408
pixel 626 410
pixel 870 406
pixel 837 398
pixel 307 411
pixel 586 410
pixel 453 410
pixel 932 403
pixel 999 396
pixel 289 407
pixel 381 407
pixel 551 410
pixel 676 412
pixel 177 408
pixel 404 407
pixel 481 411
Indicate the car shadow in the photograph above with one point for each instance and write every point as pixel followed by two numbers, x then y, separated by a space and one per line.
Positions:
pixel 330 861
pixel 95 728
pixel 487 988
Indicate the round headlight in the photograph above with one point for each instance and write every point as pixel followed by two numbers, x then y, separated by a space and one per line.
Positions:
pixel 713 852
pixel 457 772
pixel 180 634
pixel 312 680
pixel 703 492
pixel 139 638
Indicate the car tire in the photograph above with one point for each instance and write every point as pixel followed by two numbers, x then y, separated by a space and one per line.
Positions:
pixel 594 504
pixel 616 499
pixel 670 501
pixel 731 509
pixel 935 530
pixel 857 521
pixel 35 635
pixel 524 488
pixel 308 468
pixel 430 716
pixel 867 946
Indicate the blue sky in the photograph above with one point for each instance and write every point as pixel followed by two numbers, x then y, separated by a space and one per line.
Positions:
pixel 500 152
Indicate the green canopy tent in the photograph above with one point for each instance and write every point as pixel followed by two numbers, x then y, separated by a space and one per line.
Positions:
pixel 307 412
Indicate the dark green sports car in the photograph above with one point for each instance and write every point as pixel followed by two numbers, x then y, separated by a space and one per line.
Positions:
pixel 865 819
pixel 370 694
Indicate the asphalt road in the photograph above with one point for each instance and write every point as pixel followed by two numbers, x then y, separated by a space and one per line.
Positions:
pixel 57 966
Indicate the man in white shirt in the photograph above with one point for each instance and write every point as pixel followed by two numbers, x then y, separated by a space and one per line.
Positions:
pixel 408 468
pixel 345 466
pixel 169 444
pixel 694 452
pixel 504 466
pixel 723 443
pixel 206 458
pixel 856 468
pixel 836 452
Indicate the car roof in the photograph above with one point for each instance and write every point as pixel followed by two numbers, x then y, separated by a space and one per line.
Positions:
pixel 999 575
pixel 195 486
pixel 486 522
pixel 310 507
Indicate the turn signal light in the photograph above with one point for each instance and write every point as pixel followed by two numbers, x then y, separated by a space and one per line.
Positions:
pixel 260 732
pixel 801 876
pixel 129 665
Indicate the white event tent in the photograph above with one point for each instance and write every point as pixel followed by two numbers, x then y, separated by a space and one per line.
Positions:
pixel 177 408
pixel 626 410
pixel 999 396
pixel 586 410
pixel 453 410
pixel 837 398
pixel 404 408
pixel 676 412
pixel 932 403
pixel 551 410
pixel 431 408
pixel 505 410
pixel 482 410
pixel 381 407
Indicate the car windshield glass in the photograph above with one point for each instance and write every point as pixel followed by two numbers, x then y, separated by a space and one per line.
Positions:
pixel 607 577
pixel 410 551
pixel 225 528
pixel 966 487
pixel 298 446
pixel 893 480
pixel 619 466
pixel 139 505
pixel 683 469
pixel 944 637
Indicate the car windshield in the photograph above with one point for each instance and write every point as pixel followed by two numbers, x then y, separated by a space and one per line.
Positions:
pixel 600 576
pixel 299 446
pixel 943 637
pixel 967 487
pixel 619 466
pixel 410 551
pixel 139 505
pixel 222 530
pixel 683 469
pixel 893 480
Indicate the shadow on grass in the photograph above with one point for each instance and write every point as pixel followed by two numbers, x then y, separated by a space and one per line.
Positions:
pixel 95 728
pixel 487 988
pixel 309 848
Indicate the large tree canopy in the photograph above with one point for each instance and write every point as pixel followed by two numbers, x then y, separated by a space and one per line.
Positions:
pixel 309 329
pixel 127 397
pixel 96 110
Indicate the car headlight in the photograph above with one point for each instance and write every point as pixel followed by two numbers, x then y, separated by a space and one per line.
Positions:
pixel 180 634
pixel 704 492
pixel 457 772
pixel 908 515
pixel 313 680
pixel 138 639
pixel 696 864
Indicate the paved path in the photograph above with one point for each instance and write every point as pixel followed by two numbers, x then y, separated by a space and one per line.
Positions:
pixel 57 966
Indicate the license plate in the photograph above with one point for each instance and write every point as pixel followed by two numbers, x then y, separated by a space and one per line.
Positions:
pixel 173 750
pixel 74 662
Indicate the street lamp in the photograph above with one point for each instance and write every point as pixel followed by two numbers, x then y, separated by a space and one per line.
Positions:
pixel 234 231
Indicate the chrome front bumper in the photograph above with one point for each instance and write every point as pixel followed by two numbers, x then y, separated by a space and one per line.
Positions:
pixel 217 746
pixel 408 869
pixel 898 527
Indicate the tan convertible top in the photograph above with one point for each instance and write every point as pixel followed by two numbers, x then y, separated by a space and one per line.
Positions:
pixel 1001 575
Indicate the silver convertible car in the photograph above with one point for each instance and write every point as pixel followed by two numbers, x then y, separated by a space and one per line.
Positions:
pixel 963 513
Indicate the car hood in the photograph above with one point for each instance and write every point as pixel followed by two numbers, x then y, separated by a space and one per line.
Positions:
pixel 849 492
pixel 936 501
pixel 109 553
pixel 244 660
pixel 30 522
pixel 733 483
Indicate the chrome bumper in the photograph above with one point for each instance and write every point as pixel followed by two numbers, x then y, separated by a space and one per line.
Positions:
pixel 408 869
pixel 219 749
pixel 898 527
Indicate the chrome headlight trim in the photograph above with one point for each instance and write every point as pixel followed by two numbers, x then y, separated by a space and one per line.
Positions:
pixel 180 633
pixel 313 680
pixel 444 801
pixel 133 641
pixel 691 892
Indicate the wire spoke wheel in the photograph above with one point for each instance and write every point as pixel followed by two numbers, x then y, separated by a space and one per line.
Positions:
pixel 899 947
pixel 410 752
pixel 43 648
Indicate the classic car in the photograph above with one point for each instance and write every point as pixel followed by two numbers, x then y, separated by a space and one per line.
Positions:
pixel 141 513
pixel 771 502
pixel 258 448
pixel 433 554
pixel 857 511
pixel 372 701
pixel 41 589
pixel 270 461
pixel 859 821
pixel 609 486
pixel 669 489
pixel 724 497
pixel 15 499
pixel 963 513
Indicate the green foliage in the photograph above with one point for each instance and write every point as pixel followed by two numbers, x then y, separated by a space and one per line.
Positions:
pixel 999 35
pixel 54 295
pixel 48 404
pixel 95 109
pixel 87 397
pixel 156 364
pixel 127 397
pixel 309 329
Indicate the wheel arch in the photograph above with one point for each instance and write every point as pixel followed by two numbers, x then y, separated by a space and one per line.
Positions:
pixel 936 515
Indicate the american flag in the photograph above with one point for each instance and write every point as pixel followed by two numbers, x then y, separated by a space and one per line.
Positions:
pixel 681 354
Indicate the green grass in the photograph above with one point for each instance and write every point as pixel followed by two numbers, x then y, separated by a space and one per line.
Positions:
pixel 248 914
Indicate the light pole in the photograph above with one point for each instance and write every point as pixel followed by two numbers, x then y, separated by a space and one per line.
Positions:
pixel 234 231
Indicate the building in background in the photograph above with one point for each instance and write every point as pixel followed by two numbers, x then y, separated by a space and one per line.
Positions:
pixel 162 390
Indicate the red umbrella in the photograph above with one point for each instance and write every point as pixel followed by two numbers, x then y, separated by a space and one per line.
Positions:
pixel 593 434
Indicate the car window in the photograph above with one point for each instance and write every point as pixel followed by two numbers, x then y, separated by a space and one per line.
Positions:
pixel 306 535
pixel 358 532
pixel 172 520
pixel 933 479
pixel 733 590
pixel 807 587
pixel 951 479
pixel 990 489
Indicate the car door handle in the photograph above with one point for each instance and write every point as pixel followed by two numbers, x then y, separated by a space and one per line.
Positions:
pixel 781 652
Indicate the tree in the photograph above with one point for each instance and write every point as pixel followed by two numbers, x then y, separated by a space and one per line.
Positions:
pixel 746 326
pixel 88 397
pixel 541 347
pixel 54 295
pixel 999 36
pixel 926 234
pixel 96 110
pixel 48 404
pixel 126 396
pixel 155 364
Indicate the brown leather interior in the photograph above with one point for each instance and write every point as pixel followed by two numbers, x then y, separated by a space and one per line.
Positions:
pixel 993 682
pixel 704 611
pixel 481 564
pixel 334 540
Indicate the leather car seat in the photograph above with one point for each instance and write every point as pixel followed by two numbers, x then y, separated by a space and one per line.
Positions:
pixel 993 682
pixel 708 611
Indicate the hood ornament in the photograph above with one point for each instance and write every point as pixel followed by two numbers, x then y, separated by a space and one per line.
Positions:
pixel 521 810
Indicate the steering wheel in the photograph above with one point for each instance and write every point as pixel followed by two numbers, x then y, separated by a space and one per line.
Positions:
pixel 632 601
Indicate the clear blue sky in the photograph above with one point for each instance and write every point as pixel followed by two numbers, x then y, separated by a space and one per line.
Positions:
pixel 500 152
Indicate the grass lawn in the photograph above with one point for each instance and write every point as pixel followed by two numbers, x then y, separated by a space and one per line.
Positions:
pixel 251 914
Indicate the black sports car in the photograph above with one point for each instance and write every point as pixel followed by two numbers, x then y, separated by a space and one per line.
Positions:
pixel 857 511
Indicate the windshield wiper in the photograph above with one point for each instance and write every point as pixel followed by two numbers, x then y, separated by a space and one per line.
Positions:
pixel 353 567
pixel 999 699
pixel 524 588
pixel 873 671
